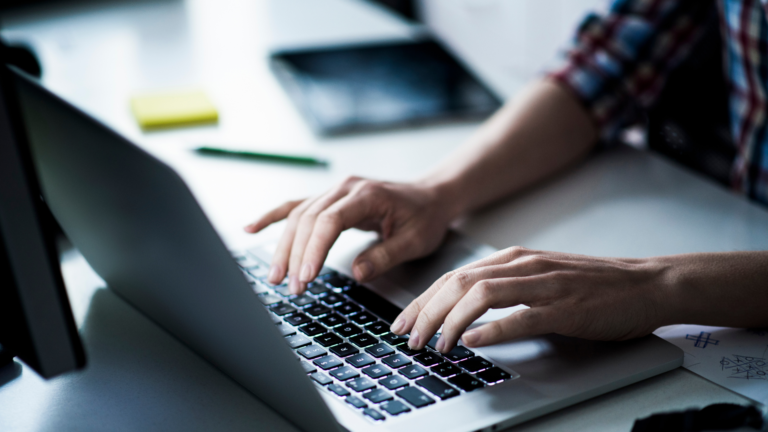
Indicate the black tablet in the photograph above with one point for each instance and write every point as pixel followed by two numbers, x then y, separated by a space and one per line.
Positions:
pixel 385 85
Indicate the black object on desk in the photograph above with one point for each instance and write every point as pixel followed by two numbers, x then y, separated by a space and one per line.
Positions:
pixel 36 322
pixel 384 85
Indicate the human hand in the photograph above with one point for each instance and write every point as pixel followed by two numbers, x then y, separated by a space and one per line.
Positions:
pixel 572 295
pixel 411 220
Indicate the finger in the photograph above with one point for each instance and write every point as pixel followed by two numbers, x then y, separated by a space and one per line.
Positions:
pixel 407 318
pixel 299 273
pixel 273 216
pixel 382 256
pixel 431 316
pixel 279 266
pixel 341 215
pixel 521 324
pixel 491 294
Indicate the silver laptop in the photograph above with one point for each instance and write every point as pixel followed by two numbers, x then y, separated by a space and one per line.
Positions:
pixel 324 360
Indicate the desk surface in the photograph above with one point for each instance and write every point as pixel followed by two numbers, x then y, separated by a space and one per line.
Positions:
pixel 96 54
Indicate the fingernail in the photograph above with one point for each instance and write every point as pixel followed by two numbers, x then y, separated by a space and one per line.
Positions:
pixel 413 342
pixel 363 270
pixel 471 338
pixel 306 273
pixel 274 275
pixel 397 327
pixel 440 343
pixel 293 284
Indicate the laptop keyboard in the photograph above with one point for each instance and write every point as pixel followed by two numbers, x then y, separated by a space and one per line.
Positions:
pixel 339 330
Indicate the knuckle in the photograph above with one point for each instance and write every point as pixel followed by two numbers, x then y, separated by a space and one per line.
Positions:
pixel 329 218
pixel 446 277
pixel 483 291
pixel 351 180
pixel 462 278
pixel 528 319
pixel 515 252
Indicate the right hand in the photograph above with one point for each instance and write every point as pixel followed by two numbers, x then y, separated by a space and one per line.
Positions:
pixel 411 220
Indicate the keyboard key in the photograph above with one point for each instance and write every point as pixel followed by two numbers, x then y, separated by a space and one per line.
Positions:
pixel 276 320
pixel 379 350
pixel 360 360
pixel 308 367
pixel 270 299
pixel 377 371
pixel 493 375
pixel 363 340
pixel 394 339
pixel 348 330
pixel 395 407
pixel 333 320
pixel 428 359
pixel 339 390
pixel 437 387
pixel 332 299
pixel 397 361
pixel 327 362
pixel 259 288
pixel 475 364
pixel 282 290
pixel 347 308
pixel 321 378
pixel 409 352
pixel 282 309
pixel 372 413
pixel 466 382
pixel 298 319
pixel 413 372
pixel 317 288
pixel 458 353
pixel 356 401
pixel 312 351
pixel 317 310
pixel 377 328
pixel 361 384
pixel 446 369
pixel 415 397
pixel 378 395
pixel 297 341
pixel 393 382
pixel 286 330
pixel 303 300
pixel 433 342
pixel 247 262
pixel 328 340
pixel 338 281
pixel 344 373
pixel 344 350
pixel 363 318
pixel 313 329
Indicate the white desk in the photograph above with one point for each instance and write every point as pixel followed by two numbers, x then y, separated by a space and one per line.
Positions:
pixel 96 55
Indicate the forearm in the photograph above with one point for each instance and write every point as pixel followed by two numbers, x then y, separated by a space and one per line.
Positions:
pixel 537 134
pixel 718 289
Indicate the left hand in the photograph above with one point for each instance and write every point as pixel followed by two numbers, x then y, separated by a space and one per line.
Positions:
pixel 572 295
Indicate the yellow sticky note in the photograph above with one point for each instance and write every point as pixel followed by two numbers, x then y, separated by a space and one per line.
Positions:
pixel 173 109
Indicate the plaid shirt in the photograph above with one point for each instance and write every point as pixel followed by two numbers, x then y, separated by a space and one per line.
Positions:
pixel 620 61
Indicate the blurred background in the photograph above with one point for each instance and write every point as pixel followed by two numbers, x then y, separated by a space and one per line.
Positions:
pixel 99 54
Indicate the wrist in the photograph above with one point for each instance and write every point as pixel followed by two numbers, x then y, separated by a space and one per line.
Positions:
pixel 446 195
pixel 667 292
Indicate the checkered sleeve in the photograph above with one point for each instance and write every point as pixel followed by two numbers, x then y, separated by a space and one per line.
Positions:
pixel 619 60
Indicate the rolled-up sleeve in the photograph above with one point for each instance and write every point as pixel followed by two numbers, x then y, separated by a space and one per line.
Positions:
pixel 620 59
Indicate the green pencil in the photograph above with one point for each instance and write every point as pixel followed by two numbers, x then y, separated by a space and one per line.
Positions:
pixel 301 160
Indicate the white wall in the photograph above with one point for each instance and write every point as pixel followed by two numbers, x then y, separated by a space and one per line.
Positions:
pixel 506 42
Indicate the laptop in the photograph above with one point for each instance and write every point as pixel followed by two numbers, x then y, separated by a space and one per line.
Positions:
pixel 325 360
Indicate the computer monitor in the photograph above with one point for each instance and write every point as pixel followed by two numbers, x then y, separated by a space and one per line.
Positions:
pixel 36 322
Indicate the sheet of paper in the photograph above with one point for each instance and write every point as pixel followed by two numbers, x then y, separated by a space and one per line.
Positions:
pixel 736 359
